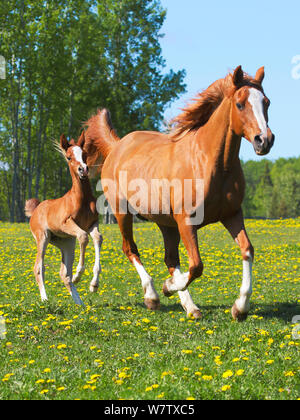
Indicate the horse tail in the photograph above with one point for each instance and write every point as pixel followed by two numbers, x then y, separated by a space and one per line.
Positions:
pixel 100 139
pixel 30 206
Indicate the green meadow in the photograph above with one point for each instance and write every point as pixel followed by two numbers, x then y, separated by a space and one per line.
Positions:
pixel 113 348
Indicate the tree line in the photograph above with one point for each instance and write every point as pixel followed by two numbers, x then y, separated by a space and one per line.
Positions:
pixel 64 59
pixel 273 188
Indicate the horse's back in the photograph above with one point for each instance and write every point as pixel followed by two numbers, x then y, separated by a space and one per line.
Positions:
pixel 139 152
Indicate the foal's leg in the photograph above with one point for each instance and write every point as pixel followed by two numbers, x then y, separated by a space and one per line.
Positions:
pixel 71 228
pixel 42 240
pixel 172 260
pixel 236 227
pixel 67 247
pixel 125 222
pixel 97 239
pixel 83 243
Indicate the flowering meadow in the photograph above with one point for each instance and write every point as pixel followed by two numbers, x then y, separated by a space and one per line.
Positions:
pixel 113 348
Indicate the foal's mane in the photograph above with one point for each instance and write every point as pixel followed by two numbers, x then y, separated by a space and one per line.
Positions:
pixel 197 114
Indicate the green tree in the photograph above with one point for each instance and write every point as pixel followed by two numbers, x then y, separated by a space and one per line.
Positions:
pixel 263 198
pixel 66 58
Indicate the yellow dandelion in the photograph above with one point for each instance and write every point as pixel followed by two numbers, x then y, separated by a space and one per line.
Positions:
pixel 227 374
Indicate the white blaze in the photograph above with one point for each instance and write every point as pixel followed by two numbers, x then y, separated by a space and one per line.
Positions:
pixel 78 156
pixel 256 99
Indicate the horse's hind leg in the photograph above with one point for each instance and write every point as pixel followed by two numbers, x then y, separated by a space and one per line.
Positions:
pixel 125 222
pixel 172 239
pixel 42 240
pixel 83 242
pixel 97 239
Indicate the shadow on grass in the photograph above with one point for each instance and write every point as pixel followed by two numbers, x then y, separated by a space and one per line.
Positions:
pixel 279 310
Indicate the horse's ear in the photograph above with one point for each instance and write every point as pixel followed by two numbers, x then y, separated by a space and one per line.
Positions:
pixel 64 142
pixel 238 76
pixel 81 140
pixel 260 75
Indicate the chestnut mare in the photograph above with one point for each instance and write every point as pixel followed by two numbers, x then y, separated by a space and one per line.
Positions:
pixel 204 144
pixel 61 221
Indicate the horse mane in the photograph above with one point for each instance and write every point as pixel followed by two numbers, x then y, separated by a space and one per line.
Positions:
pixel 198 113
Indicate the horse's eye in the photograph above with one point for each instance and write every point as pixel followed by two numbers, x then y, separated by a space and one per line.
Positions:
pixel 240 106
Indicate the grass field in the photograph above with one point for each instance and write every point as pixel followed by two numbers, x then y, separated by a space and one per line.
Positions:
pixel 116 349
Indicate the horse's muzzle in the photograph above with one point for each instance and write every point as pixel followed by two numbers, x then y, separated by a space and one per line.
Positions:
pixel 262 145
pixel 83 172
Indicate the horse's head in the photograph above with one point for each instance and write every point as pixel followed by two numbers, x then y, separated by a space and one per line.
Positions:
pixel 250 111
pixel 75 155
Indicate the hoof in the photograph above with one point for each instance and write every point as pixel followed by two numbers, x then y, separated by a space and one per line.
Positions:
pixel 237 315
pixel 76 280
pixel 94 289
pixel 196 314
pixel 153 305
pixel 166 291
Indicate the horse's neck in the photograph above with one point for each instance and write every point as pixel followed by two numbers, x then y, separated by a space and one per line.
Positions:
pixel 81 189
pixel 218 141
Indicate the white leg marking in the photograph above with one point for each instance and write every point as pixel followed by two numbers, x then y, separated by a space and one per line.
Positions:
pixel 187 302
pixel 43 293
pixel 243 303
pixel 97 239
pixel 41 280
pixel 178 282
pixel 147 282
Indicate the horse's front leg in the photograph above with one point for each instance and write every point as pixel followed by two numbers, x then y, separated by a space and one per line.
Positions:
pixel 235 225
pixel 151 297
pixel 179 282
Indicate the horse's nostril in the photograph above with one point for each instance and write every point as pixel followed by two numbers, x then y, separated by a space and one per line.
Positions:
pixel 259 140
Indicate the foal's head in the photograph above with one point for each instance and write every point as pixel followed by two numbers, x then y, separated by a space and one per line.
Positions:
pixel 75 155
pixel 250 111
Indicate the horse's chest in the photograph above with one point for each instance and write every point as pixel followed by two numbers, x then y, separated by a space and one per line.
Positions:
pixel 224 197
pixel 86 216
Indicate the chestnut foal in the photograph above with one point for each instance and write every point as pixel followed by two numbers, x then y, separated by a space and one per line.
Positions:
pixel 61 221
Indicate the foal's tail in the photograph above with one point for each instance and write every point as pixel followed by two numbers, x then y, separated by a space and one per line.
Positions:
pixel 30 206
pixel 100 139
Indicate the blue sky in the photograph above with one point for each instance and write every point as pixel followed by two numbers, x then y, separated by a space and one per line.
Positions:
pixel 209 38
